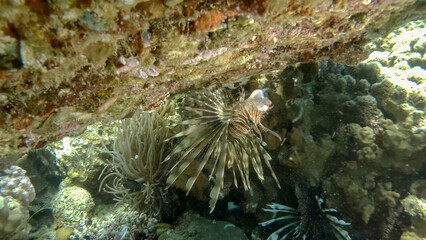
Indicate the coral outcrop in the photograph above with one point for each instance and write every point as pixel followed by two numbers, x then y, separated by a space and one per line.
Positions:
pixel 13 219
pixel 14 183
pixel 16 193
pixel 69 151
pixel 416 208
pixel 366 120
pixel 80 218
pixel 116 223
pixel 73 207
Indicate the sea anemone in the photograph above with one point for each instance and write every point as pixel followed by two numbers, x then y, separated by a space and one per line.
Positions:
pixel 136 162
pixel 222 134
pixel 310 221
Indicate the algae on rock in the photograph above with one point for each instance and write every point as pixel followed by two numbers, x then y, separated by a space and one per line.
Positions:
pixel 195 227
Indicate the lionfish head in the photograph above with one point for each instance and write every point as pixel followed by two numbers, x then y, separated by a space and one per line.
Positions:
pixel 259 100
pixel 247 116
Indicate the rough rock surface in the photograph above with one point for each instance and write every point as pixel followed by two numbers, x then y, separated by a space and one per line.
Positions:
pixel 196 227
pixel 67 64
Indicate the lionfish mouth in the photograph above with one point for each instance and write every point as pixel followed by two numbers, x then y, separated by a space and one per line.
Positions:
pixel 260 101
pixel 224 134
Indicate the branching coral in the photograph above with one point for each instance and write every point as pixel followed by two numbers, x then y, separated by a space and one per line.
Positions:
pixel 224 134
pixel 137 154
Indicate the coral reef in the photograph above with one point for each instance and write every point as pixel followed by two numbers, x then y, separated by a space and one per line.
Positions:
pixel 67 64
pixel 307 155
pixel 319 103
pixel 15 184
pixel 16 193
pixel 358 186
pixel 222 135
pixel 115 223
pixel 194 227
pixel 358 131
pixel 345 137
pixel 106 222
pixel 136 166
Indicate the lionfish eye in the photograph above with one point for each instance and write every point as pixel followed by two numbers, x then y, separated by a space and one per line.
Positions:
pixel 250 121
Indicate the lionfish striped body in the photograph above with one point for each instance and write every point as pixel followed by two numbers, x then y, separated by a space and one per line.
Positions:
pixel 310 221
pixel 222 135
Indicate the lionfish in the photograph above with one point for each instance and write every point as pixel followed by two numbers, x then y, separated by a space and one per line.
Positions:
pixel 310 221
pixel 223 134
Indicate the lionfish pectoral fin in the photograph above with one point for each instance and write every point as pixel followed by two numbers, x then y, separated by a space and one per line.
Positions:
pixel 187 142
pixel 235 178
pixel 170 180
pixel 276 234
pixel 242 164
pixel 287 217
pixel 339 233
pixel 188 157
pixel 267 158
pixel 206 157
pixel 265 129
pixel 187 131
pixel 189 183
pixel 256 159
pixel 214 193
pixel 176 172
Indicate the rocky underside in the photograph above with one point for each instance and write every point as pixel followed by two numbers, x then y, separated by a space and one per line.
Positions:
pixel 67 64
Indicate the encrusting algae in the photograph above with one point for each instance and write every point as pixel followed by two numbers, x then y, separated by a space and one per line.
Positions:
pixel 223 134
